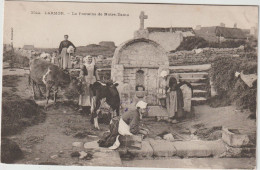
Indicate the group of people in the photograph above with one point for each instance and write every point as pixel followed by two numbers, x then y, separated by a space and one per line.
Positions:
pixel 175 96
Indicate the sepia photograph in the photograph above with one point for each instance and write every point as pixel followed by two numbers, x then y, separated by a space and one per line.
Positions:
pixel 146 85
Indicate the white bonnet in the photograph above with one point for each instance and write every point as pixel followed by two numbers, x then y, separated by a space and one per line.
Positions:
pixel 141 104
pixel 163 73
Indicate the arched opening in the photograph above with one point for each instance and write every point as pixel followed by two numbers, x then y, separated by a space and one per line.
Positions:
pixel 139 80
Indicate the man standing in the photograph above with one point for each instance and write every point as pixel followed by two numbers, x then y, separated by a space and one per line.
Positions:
pixel 63 51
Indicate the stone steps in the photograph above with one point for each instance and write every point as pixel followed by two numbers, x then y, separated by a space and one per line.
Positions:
pixel 194 80
pixel 200 93
pixel 198 77
pixel 198 101
pixel 193 75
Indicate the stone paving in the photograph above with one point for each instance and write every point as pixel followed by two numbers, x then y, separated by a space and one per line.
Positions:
pixel 164 149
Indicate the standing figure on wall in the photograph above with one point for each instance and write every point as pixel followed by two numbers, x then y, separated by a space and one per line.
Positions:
pixel 174 100
pixel 66 47
pixel 88 76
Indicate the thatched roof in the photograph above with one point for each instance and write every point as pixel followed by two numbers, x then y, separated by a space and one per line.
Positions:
pixel 28 47
pixel 170 29
pixel 232 33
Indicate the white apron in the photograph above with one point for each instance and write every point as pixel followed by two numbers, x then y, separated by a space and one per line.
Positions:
pixel 123 129
pixel 86 97
pixel 187 95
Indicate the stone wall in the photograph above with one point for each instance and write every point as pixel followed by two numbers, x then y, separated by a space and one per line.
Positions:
pixel 202 56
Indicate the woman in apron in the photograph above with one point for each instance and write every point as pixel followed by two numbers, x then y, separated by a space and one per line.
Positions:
pixel 88 75
pixel 174 100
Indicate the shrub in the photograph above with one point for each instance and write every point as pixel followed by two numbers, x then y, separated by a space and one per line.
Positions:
pixel 229 87
pixel 15 60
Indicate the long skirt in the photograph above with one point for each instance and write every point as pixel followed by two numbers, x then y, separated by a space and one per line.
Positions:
pixel 85 98
pixel 174 104
pixel 65 59
pixel 171 103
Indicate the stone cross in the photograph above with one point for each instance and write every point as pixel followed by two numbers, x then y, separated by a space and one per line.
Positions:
pixel 142 18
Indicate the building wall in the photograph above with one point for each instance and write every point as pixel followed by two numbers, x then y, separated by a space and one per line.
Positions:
pixel 168 40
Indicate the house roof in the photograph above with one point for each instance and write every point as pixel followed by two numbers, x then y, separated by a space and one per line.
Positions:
pixel 174 29
pixel 234 33
pixel 28 47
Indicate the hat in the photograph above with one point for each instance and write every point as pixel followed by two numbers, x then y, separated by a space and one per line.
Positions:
pixel 141 104
pixel 164 73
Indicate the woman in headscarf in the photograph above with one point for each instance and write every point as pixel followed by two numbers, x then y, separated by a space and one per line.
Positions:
pixel 88 76
pixel 128 124
pixel 174 100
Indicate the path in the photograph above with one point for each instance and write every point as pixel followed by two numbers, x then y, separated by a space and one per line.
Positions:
pixel 209 163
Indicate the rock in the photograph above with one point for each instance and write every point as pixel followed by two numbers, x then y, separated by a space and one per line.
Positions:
pixel 61 152
pixel 77 144
pixel 162 148
pixel 82 154
pixel 157 138
pixel 91 145
pixel 168 137
pixel 37 159
pixel 75 154
pixel 174 121
pixel 133 141
pixel 234 139
pixel 54 156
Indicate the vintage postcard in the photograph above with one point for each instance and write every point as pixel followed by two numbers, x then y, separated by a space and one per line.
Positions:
pixel 129 85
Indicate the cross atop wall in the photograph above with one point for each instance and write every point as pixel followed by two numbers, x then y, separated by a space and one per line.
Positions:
pixel 142 18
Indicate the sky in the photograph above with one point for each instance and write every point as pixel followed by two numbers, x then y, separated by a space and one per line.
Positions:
pixel 46 31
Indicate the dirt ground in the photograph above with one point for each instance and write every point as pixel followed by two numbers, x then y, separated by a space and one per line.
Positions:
pixel 50 142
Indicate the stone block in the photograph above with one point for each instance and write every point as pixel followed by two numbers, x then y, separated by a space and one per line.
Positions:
pixel 199 148
pixel 77 144
pixel 162 148
pixel 134 141
pixel 145 151
pixel 234 139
